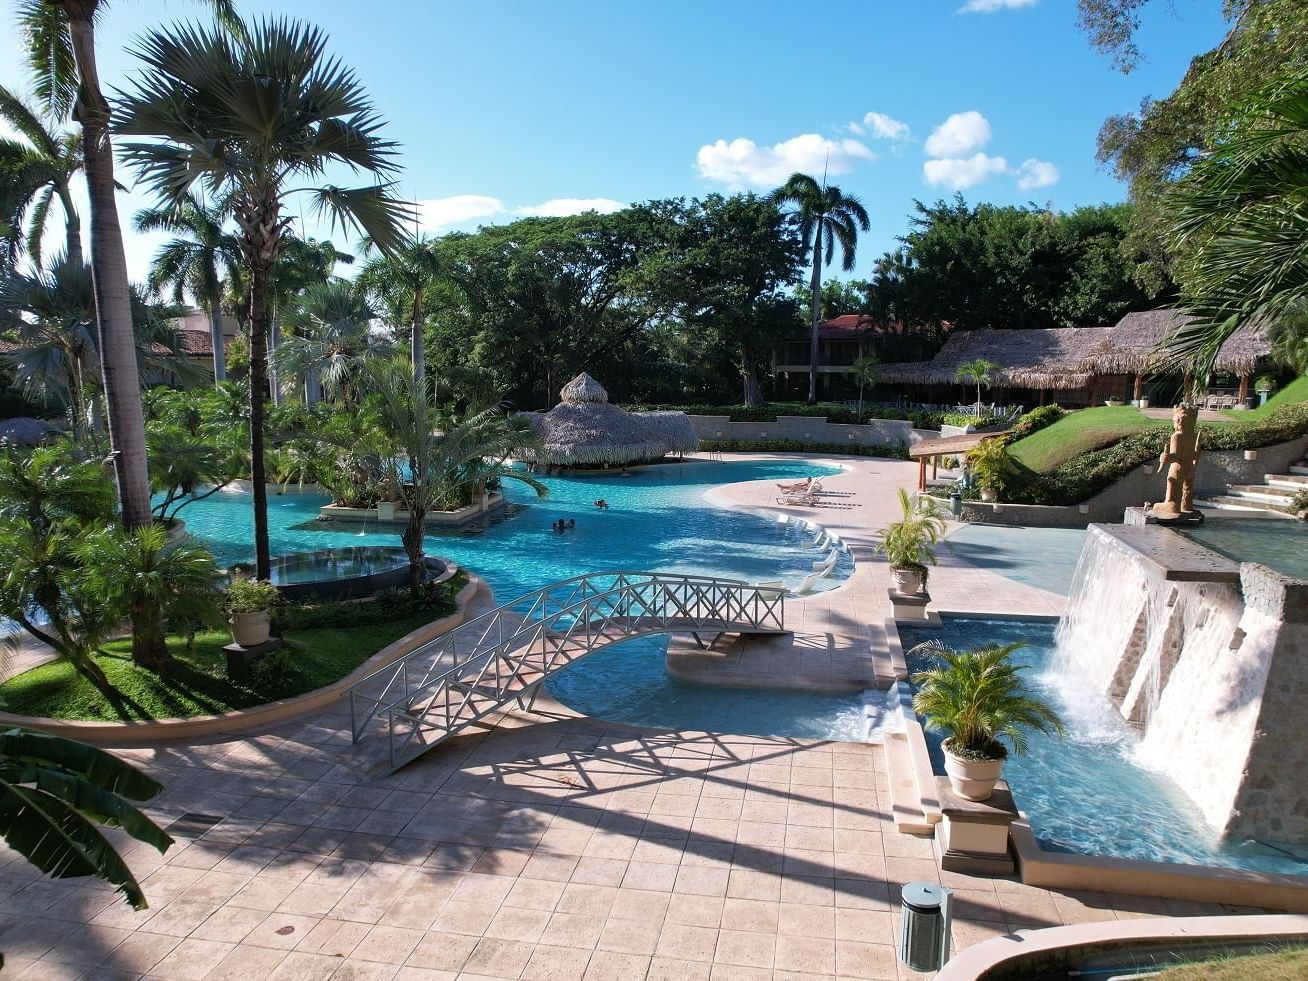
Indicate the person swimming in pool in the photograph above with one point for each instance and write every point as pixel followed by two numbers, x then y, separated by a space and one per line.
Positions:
pixel 602 504
pixel 572 523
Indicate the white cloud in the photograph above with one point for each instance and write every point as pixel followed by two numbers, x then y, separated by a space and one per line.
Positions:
pixel 1035 173
pixel 561 207
pixel 742 162
pixel 991 6
pixel 963 172
pixel 960 134
pixel 885 127
pixel 436 214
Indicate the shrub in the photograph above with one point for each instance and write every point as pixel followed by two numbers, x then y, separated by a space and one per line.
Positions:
pixel 1036 420
pixel 251 596
pixel 795 446
pixel 964 419
pixel 436 599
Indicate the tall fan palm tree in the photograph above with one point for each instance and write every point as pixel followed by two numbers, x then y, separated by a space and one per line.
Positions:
pixel 35 171
pixel 249 117
pixel 1240 219
pixel 329 338
pixel 402 281
pixel 196 262
pixel 826 216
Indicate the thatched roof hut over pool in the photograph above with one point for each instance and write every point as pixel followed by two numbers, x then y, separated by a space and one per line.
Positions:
pixel 585 430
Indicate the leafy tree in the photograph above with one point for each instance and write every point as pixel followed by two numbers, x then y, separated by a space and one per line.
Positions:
pixel 839 297
pixel 197 261
pixel 330 336
pixel 250 116
pixel 826 216
pixel 35 171
pixel 1240 217
pixel 978 372
pixel 863 372
pixel 443 455
pixel 53 793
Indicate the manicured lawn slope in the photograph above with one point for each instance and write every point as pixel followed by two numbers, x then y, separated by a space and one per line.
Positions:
pixel 198 684
pixel 1290 965
pixel 1296 391
pixel 1080 432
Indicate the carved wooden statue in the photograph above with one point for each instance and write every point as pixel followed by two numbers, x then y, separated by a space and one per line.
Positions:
pixel 1180 458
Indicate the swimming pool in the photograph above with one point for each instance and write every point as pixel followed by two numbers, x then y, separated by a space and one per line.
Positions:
pixel 1088 793
pixel 1274 542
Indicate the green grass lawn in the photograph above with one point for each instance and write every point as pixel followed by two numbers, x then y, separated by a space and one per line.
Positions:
pixel 198 684
pixel 1296 391
pixel 1289 965
pixel 1080 432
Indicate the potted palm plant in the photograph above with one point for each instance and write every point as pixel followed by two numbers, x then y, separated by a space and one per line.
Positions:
pixel 1264 386
pixel 248 604
pixel 991 467
pixel 909 543
pixel 978 698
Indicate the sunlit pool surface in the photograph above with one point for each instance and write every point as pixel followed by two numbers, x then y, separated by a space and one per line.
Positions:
pixel 1087 793
pixel 1274 542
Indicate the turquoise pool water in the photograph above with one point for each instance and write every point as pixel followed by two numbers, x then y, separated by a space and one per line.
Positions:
pixel 1275 542
pixel 1087 793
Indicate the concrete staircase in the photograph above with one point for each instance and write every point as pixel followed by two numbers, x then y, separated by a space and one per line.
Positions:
pixel 1273 494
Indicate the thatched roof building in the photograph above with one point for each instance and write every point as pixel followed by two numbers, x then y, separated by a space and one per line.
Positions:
pixel 25 431
pixel 585 430
pixel 1066 358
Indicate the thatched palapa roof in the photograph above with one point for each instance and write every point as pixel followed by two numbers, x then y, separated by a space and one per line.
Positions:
pixel 1068 357
pixel 584 429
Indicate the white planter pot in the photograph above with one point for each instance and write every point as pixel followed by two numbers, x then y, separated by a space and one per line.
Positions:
pixel 989 495
pixel 909 581
pixel 250 629
pixel 973 779
pixel 385 510
pixel 1142 403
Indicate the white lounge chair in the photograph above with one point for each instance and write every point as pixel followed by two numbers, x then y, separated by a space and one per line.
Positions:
pixel 823 570
pixel 822 539
pixel 798 498
pixel 798 487
pixel 827 562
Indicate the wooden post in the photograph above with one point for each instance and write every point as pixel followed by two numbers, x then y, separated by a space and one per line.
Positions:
pixel 921 474
pixel 935 467
pixel 1092 390
pixel 1244 388
pixel 1139 387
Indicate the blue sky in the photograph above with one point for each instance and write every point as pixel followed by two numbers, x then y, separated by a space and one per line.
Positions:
pixel 511 107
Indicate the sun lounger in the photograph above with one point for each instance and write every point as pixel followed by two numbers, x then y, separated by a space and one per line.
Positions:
pixel 811 581
pixel 827 562
pixel 794 499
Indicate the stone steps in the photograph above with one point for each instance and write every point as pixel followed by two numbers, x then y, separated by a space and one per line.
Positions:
pixel 1231 502
pixel 1272 495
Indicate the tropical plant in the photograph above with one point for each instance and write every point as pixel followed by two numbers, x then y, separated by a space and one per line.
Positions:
pixel 433 458
pixel 910 542
pixel 53 793
pixel 329 336
pixel 402 280
pixel 1299 503
pixel 249 116
pixel 826 216
pixel 196 262
pixel 991 465
pixel 250 596
pixel 1239 218
pixel 1265 383
pixel 35 170
pixel 978 698
pixel 864 373
pixel 978 372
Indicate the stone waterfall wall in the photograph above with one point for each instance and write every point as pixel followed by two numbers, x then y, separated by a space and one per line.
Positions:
pixel 1208 661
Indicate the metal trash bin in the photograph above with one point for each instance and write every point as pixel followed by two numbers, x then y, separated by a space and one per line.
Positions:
pixel 924 926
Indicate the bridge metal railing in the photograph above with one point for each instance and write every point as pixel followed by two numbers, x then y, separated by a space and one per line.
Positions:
pixel 503 655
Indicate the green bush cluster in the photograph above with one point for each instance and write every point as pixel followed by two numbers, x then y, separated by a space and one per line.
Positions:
pixel 830 411
pixel 964 419
pixel 795 446
pixel 387 606
pixel 1036 420
pixel 1081 478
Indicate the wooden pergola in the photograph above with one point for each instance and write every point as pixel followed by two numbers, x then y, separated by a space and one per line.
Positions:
pixel 934 449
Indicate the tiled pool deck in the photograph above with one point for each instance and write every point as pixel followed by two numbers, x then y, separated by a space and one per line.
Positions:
pixel 552 847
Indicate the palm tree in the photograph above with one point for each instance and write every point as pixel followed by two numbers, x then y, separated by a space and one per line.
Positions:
pixel 34 171
pixel 434 461
pixel 978 372
pixel 249 117
pixel 1239 222
pixel 978 696
pixel 196 262
pixel 329 338
pixel 826 215
pixel 864 373
pixel 402 281
pixel 53 793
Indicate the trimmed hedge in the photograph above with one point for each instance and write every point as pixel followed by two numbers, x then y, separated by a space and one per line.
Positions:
pixel 795 446
pixel 823 410
pixel 1080 479
pixel 1035 420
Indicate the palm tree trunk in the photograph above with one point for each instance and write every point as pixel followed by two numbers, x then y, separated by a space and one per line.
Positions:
pixel 72 226
pixel 219 352
pixel 815 313
pixel 149 646
pixel 258 393
pixel 413 536
pixel 416 350
pixel 113 301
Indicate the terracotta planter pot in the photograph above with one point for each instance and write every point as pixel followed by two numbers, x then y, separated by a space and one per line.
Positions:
pixel 973 779
pixel 909 580
pixel 250 629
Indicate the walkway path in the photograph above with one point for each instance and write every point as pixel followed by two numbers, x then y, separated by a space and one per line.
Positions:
pixel 551 847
